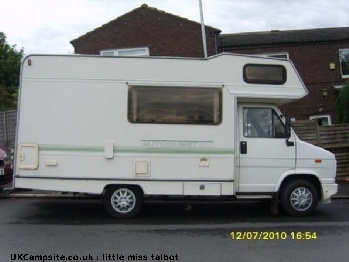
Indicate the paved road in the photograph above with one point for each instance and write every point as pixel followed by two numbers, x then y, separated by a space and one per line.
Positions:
pixel 59 228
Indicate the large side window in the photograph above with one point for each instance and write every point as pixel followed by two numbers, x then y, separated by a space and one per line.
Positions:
pixel 175 105
pixel 262 122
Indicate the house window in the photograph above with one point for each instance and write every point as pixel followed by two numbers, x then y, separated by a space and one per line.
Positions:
pixel 322 120
pixel 175 105
pixel 143 51
pixel 344 62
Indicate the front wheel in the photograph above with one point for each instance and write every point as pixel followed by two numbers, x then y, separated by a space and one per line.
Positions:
pixel 299 198
pixel 123 201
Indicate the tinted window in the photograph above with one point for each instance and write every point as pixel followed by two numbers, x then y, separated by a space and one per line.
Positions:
pixel 175 105
pixel 265 74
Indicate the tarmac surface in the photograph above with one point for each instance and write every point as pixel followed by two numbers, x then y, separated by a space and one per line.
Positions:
pixel 343 188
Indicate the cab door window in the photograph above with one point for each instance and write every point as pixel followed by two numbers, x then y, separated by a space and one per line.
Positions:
pixel 263 123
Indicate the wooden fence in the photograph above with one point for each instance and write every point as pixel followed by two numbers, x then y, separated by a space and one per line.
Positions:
pixel 334 138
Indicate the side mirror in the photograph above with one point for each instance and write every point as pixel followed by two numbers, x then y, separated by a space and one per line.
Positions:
pixel 288 123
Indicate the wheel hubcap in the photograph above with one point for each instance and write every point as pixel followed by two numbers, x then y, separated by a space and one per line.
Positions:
pixel 301 198
pixel 123 200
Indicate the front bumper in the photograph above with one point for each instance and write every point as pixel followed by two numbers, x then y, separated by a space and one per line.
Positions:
pixel 328 190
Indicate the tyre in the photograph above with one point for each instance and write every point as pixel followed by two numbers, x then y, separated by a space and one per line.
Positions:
pixel 299 198
pixel 123 201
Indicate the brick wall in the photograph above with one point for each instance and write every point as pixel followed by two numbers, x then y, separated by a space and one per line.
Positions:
pixel 164 34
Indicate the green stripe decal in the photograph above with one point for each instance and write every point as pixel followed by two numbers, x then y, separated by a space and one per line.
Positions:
pixel 180 141
pixel 64 148
pixel 143 150
pixel 159 150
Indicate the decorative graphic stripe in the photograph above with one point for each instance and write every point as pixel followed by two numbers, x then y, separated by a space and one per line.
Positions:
pixel 144 150
pixel 65 148
pixel 184 141
pixel 160 150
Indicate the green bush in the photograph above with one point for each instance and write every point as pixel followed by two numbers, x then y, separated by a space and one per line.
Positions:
pixel 342 105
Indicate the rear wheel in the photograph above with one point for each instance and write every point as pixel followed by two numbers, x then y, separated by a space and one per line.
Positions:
pixel 123 201
pixel 299 198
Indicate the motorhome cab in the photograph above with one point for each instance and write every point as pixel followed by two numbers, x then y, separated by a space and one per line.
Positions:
pixel 128 128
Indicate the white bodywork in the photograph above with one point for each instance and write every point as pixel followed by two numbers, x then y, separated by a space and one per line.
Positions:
pixel 74 134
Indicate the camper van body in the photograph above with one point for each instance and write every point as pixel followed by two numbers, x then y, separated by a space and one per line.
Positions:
pixel 127 128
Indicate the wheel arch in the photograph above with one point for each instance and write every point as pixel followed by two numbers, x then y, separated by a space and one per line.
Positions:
pixel 122 185
pixel 312 178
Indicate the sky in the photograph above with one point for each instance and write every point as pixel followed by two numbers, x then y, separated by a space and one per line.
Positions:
pixel 48 26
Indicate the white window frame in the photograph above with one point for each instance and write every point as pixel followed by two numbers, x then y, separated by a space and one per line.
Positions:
pixel 316 117
pixel 341 52
pixel 275 55
pixel 126 52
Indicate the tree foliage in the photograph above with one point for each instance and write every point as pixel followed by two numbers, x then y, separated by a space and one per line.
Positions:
pixel 342 104
pixel 10 62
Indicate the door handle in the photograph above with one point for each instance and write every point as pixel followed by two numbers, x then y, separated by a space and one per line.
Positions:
pixel 243 147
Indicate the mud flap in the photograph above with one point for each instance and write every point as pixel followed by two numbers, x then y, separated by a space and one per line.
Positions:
pixel 274 205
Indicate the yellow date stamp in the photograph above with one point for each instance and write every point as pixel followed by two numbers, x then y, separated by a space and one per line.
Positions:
pixel 273 235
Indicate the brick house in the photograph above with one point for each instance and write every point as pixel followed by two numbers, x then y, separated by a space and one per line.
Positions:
pixel 148 31
pixel 315 52
pixel 321 57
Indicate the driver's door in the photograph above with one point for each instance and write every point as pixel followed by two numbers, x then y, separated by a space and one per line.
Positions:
pixel 263 152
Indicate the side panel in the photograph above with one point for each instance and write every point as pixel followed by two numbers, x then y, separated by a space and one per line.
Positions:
pixel 75 108
pixel 84 142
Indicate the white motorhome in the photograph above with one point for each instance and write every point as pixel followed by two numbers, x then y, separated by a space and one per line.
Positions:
pixel 128 128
